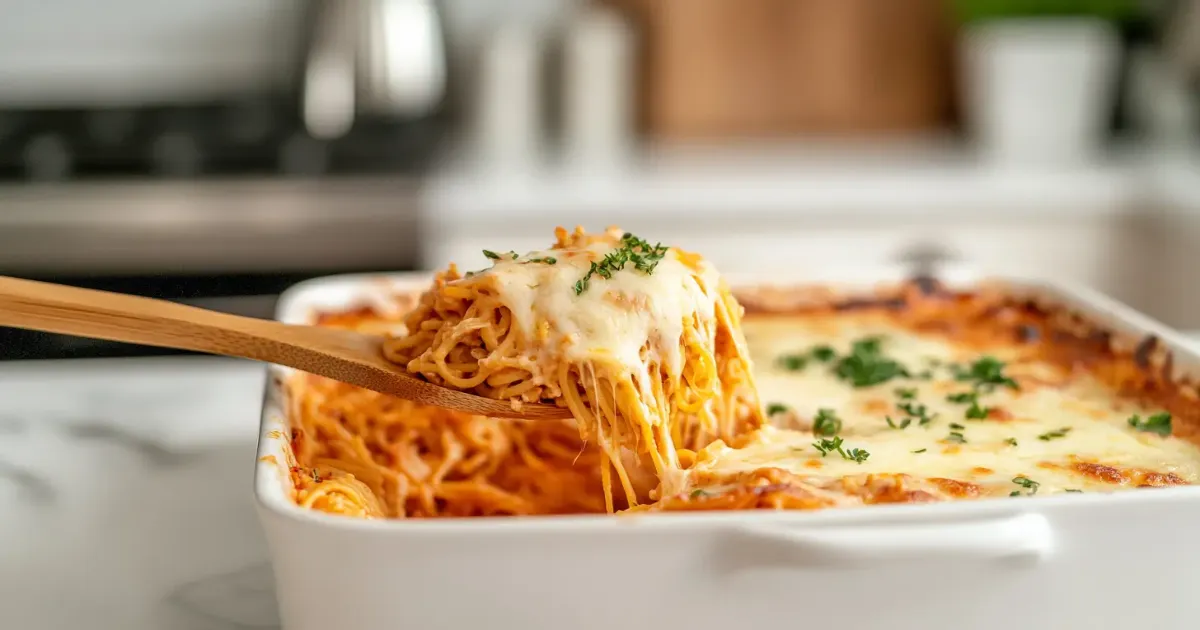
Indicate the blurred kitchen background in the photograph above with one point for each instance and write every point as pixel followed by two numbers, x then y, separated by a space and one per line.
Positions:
pixel 217 151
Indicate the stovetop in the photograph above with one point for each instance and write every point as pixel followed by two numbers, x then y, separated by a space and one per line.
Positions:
pixel 247 137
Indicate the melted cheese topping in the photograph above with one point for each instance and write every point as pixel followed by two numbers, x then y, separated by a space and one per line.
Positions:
pixel 641 342
pixel 1061 431
pixel 614 317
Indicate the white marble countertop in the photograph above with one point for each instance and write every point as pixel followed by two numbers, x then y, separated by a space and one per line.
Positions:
pixel 126 500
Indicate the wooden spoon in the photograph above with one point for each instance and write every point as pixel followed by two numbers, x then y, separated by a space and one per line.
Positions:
pixel 343 355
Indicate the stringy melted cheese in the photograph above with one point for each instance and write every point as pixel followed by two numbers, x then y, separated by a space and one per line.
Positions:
pixel 1100 451
pixel 614 318
pixel 641 342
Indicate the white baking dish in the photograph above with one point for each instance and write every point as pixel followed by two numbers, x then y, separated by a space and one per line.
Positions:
pixel 1090 561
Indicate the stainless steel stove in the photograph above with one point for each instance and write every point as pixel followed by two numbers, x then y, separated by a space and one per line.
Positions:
pixel 212 152
pixel 222 87
pixel 223 244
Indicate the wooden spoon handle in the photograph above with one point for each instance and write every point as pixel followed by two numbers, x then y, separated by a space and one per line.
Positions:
pixel 339 354
pixel 116 317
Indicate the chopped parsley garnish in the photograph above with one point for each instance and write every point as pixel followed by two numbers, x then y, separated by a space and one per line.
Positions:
pixel 903 424
pixel 799 360
pixel 1159 423
pixel 986 373
pixel 1024 482
pixel 632 250
pixel 775 408
pixel 494 256
pixel 956 437
pixel 975 411
pixel 916 410
pixel 316 475
pixel 920 450
pixel 955 425
pixel 906 393
pixel 549 260
pixel 1054 435
pixel 856 454
pixel 793 362
pixel 698 492
pixel 829 445
pixel 643 255
pixel 826 423
pixel 867 366
pixel 1011 441
pixel 864 366
pixel 824 354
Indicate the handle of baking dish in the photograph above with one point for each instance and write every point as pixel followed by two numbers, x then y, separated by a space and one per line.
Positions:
pixel 1014 537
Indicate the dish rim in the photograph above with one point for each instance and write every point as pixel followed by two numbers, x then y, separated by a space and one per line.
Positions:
pixel 298 304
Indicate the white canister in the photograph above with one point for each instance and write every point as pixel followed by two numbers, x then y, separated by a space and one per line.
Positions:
pixel 507 125
pixel 598 88
pixel 1039 91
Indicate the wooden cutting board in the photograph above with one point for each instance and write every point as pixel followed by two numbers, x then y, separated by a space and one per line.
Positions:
pixel 728 68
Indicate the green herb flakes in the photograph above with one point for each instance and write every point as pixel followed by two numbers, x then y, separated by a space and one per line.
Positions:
pixel 985 373
pixel 857 455
pixel 632 251
pixel 826 423
pixel 824 354
pixel 776 408
pixel 916 411
pixel 792 362
pixel 1054 435
pixel 1159 423
pixel 830 445
pixel 975 411
pixel 797 361
pixel 491 255
pixel 867 366
pixel 1026 483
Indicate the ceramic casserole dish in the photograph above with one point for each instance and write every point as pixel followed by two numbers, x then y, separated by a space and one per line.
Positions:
pixel 1119 560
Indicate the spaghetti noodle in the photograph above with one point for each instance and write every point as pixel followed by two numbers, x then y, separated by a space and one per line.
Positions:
pixel 641 342
pixel 365 454
pixel 912 395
